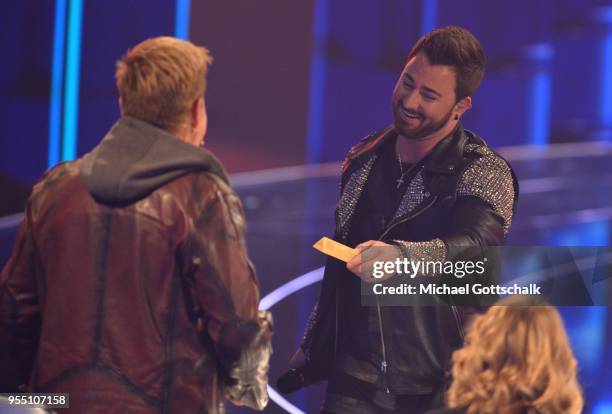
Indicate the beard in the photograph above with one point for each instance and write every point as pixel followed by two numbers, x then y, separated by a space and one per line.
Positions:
pixel 426 128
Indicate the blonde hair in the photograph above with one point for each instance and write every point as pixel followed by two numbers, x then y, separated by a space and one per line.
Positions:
pixel 517 359
pixel 159 79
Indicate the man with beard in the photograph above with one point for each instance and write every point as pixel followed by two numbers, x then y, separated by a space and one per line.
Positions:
pixel 423 189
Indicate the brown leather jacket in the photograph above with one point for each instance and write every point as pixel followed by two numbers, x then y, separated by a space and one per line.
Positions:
pixel 146 306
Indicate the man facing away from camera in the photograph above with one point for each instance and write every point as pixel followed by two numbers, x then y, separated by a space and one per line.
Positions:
pixel 424 189
pixel 129 285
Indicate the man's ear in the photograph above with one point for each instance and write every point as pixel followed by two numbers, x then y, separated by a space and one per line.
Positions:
pixel 196 109
pixel 121 111
pixel 463 105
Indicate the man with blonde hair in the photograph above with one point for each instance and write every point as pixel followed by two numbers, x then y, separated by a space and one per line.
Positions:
pixel 129 286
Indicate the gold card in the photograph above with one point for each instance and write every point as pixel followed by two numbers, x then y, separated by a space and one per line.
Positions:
pixel 334 249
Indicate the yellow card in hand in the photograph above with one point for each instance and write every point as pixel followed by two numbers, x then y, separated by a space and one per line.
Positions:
pixel 334 249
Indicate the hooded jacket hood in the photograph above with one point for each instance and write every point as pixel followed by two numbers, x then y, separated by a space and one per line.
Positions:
pixel 135 158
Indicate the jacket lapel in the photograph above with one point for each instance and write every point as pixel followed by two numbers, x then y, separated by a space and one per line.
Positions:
pixel 351 194
pixel 436 178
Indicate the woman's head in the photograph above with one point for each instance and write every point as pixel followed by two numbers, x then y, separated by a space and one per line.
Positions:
pixel 517 359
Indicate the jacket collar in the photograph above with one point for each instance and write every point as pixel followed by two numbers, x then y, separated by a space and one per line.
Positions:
pixel 445 158
pixel 439 174
pixel 135 158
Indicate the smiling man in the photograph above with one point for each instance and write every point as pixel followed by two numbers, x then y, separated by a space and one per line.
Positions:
pixel 424 189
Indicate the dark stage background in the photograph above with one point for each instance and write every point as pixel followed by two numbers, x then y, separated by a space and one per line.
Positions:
pixel 296 83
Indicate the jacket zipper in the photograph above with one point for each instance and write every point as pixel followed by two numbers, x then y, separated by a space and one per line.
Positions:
pixel 458 320
pixel 405 219
pixel 384 364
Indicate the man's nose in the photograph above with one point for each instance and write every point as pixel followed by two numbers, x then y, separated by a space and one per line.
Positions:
pixel 411 100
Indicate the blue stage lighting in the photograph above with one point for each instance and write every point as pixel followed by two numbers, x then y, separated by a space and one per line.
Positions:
pixel 540 55
pixel 606 87
pixel 181 23
pixel 71 93
pixel 429 15
pixel 604 407
pixel 316 101
pixel 57 71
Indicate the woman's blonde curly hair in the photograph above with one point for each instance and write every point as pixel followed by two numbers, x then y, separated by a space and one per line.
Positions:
pixel 516 359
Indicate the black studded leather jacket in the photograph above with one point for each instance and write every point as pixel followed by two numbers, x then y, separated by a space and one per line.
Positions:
pixel 461 198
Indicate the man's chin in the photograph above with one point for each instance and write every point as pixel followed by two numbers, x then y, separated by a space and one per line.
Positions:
pixel 406 132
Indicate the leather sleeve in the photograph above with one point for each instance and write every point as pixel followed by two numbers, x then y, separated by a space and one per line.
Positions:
pixel 487 195
pixel 474 235
pixel 19 312
pixel 474 223
pixel 227 291
pixel 474 232
pixel 486 199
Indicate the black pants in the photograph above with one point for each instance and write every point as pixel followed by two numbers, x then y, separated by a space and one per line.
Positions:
pixel 348 395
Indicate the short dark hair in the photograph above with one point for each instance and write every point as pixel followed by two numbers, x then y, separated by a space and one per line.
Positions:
pixel 454 46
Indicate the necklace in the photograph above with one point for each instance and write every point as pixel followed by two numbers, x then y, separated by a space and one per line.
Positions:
pixel 400 180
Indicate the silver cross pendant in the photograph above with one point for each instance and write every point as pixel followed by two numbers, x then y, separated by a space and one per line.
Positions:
pixel 400 181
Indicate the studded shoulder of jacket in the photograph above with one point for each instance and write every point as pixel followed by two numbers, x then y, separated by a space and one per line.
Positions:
pixel 490 178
